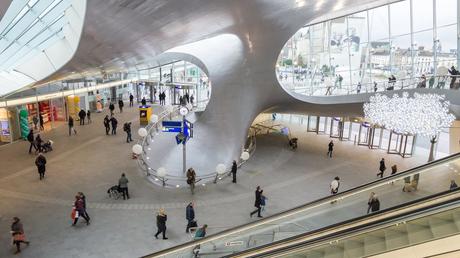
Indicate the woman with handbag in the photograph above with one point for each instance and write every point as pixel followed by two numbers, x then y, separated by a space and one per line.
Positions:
pixel 17 232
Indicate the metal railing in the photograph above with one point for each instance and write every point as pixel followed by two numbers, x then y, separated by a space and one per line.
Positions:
pixel 309 87
pixel 351 199
pixel 154 128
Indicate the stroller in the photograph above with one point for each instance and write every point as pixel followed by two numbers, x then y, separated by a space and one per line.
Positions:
pixel 48 146
pixel 114 192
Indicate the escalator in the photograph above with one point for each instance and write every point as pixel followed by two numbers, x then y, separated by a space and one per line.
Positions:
pixel 433 218
pixel 321 220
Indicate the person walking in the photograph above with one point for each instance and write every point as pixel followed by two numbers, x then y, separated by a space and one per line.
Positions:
pixel 374 204
pixel 35 121
pixel 190 216
pixel 71 127
pixel 38 143
pixel 30 138
pixel 83 198
pixel 369 202
pixel 257 202
pixel 111 108
pixel 127 129
pixel 161 223
pixel 88 116
pixel 120 105
pixel 40 162
pixel 123 185
pixel 114 123
pixel 394 169
pixel 131 100
pixel 82 115
pixel 382 168
pixel 107 124
pixel 17 233
pixel 40 116
pixel 330 149
pixel 79 205
pixel 191 179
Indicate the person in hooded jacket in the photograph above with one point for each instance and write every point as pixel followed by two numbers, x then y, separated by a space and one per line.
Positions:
pixel 40 162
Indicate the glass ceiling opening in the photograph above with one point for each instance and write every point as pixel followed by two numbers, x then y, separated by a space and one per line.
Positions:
pixel 28 27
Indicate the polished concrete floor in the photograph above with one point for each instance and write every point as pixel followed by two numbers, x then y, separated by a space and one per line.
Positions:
pixel 91 162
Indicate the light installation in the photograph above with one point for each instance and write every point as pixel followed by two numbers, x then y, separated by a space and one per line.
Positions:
pixel 423 114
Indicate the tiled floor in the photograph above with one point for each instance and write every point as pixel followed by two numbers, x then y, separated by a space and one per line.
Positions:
pixel 91 162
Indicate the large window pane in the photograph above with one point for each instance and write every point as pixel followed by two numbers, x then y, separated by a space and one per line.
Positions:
pixel 400 18
pixel 401 56
pixel 422 11
pixel 423 53
pixel 378 23
pixel 447 46
pixel 446 12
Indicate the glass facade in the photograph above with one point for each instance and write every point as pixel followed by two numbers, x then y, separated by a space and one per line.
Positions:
pixel 351 54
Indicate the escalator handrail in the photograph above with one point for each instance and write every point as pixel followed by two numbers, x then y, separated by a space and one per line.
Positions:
pixel 298 209
pixel 400 215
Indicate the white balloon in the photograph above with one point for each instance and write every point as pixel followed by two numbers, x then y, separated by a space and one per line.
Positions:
pixel 245 155
pixel 220 169
pixel 153 118
pixel 161 172
pixel 142 132
pixel 137 149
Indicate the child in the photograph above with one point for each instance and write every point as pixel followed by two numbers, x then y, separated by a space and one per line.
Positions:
pixel 262 202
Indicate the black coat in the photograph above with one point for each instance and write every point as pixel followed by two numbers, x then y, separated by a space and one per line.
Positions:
pixel 189 213
pixel 161 221
pixel 375 205
pixel 40 162
pixel 382 166
pixel 234 168
pixel 258 200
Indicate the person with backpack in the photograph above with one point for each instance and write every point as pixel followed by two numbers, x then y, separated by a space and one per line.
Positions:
pixel 114 123
pixel 40 162
pixel 190 217
pixel 127 129
pixel 30 138
pixel 107 124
